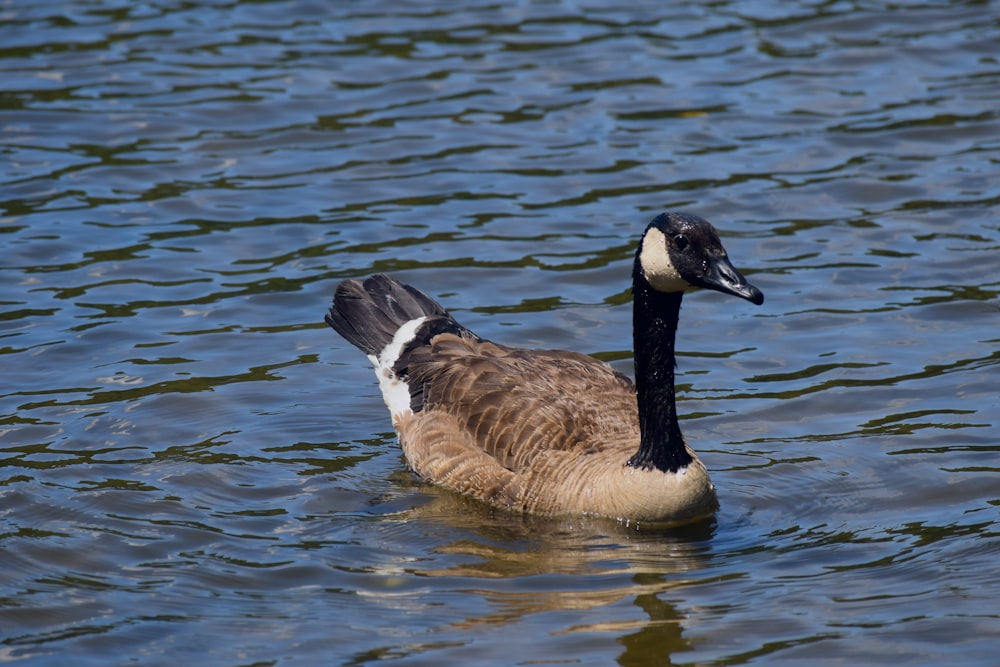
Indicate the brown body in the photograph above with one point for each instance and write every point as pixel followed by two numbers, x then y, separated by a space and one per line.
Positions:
pixel 540 431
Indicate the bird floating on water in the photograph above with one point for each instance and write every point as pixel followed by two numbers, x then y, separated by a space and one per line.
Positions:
pixel 548 432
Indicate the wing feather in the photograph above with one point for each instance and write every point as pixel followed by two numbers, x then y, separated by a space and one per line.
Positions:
pixel 516 405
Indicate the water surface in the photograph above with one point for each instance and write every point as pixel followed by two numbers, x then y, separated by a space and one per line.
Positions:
pixel 194 468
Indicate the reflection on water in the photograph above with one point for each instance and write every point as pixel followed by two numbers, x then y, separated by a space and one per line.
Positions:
pixel 614 580
pixel 192 466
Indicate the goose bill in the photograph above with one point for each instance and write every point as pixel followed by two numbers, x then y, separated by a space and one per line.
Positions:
pixel 722 276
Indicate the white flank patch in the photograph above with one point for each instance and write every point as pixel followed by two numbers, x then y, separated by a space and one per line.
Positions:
pixel 395 392
pixel 654 258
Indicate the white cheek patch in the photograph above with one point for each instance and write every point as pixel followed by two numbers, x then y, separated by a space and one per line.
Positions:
pixel 395 392
pixel 656 265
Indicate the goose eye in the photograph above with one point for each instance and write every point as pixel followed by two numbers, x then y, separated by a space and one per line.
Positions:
pixel 681 242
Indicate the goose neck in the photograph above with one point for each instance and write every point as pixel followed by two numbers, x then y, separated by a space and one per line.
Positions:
pixel 654 318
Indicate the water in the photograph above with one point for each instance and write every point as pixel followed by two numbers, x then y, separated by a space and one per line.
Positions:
pixel 195 469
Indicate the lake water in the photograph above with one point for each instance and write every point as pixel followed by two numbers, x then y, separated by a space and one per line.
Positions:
pixel 195 470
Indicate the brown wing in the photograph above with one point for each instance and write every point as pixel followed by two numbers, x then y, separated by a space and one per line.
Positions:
pixel 517 404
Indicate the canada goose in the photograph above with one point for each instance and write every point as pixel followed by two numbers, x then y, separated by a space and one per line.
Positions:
pixel 548 431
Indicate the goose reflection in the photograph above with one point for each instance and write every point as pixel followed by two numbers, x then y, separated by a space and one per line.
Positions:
pixel 523 566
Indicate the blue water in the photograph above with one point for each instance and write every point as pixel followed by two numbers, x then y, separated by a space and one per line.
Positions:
pixel 194 468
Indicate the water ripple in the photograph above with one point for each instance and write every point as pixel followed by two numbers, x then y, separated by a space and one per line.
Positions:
pixel 192 465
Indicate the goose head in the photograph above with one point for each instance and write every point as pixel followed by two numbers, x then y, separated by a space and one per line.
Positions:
pixel 680 252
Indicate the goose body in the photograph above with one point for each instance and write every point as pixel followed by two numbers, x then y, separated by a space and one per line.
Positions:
pixel 547 431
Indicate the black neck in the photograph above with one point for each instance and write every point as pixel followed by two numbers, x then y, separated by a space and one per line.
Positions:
pixel 654 322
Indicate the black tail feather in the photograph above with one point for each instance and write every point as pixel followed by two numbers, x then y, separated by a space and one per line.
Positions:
pixel 368 314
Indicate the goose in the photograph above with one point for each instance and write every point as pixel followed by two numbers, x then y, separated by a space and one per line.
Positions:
pixel 548 432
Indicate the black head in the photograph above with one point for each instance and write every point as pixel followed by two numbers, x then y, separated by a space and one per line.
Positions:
pixel 679 252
